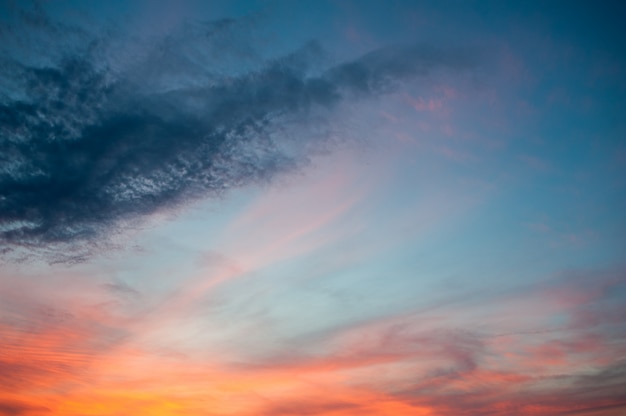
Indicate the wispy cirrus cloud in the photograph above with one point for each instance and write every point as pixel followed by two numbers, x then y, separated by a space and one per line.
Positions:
pixel 433 360
pixel 16 408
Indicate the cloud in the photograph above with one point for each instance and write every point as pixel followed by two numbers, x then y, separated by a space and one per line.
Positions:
pixel 43 345
pixel 13 408
pixel 70 353
pixel 440 359
pixel 312 406
pixel 90 147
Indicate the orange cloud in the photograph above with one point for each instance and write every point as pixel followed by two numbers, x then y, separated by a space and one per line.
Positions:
pixel 77 353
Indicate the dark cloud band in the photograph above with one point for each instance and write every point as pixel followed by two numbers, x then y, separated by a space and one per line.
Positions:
pixel 84 150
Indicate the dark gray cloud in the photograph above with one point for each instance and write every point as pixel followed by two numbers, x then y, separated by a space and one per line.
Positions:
pixel 311 406
pixel 121 289
pixel 15 408
pixel 87 150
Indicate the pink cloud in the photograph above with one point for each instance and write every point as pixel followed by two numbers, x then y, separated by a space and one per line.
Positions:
pixel 80 360
pixel 420 104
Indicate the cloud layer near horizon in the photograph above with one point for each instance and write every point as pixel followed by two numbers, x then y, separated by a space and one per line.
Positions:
pixel 87 149
pixel 101 354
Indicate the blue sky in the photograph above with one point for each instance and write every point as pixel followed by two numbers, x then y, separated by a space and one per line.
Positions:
pixel 329 208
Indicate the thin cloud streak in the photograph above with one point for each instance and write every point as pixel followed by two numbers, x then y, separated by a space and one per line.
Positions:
pixel 425 362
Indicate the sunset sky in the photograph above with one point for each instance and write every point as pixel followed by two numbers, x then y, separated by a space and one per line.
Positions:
pixel 333 208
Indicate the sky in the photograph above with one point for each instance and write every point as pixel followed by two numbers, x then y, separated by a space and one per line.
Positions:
pixel 330 207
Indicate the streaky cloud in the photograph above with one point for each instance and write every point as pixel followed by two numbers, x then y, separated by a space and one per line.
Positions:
pixel 12 408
